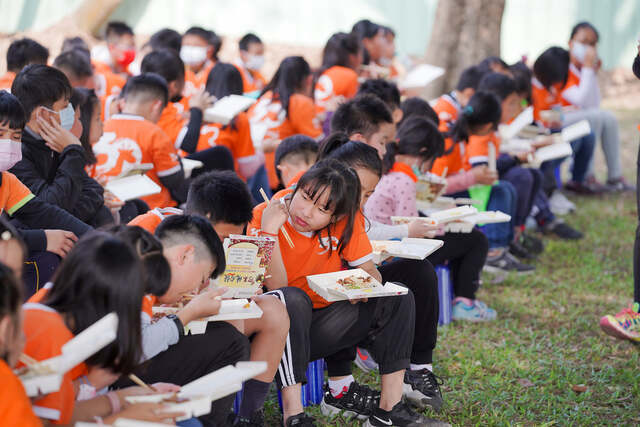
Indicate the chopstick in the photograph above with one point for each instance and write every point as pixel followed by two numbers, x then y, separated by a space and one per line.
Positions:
pixel 444 172
pixel 27 360
pixel 138 381
pixel 284 232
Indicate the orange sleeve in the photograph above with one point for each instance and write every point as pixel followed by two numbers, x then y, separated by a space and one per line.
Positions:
pixel 163 155
pixel 18 194
pixel 477 150
pixel 243 146
pixel 171 122
pixel 347 83
pixel 149 221
pixel 302 115
pixel 147 304
pixel 452 161
pixel 358 250
pixel 15 407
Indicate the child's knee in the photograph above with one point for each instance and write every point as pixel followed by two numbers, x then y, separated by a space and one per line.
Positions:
pixel 274 314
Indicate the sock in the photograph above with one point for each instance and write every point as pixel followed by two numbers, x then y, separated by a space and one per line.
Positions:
pixel 254 394
pixel 419 367
pixel 337 387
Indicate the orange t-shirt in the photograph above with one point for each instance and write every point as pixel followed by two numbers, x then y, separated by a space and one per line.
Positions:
pixel 108 85
pixel 309 256
pixel 237 140
pixel 150 220
pixel 13 193
pixel 15 406
pixel 147 304
pixel 477 150
pixel 131 141
pixel 45 333
pixel 7 80
pixel 447 108
pixel 269 119
pixel 543 99
pixel 251 80
pixel 335 81
pixel 172 123
pixel 194 82
pixel 451 159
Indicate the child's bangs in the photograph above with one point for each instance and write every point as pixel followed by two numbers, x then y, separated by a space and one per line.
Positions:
pixel 317 183
pixel 316 189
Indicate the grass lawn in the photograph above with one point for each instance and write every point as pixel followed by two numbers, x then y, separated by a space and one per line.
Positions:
pixel 523 369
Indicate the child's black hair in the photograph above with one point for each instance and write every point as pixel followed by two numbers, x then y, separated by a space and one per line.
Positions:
pixel 388 31
pixel 416 106
pixel 498 84
pixel 483 108
pixel 166 38
pixel 246 40
pixel 38 85
pixel 552 67
pixel 299 146
pixel 344 196
pixel 365 29
pixel 10 306
pixel 288 79
pixel 157 270
pixel 117 29
pixel 151 84
pixel 363 115
pixel 224 79
pixel 220 196
pixel 165 62
pixel 581 25
pixel 383 89
pixel 417 136
pixel 354 154
pixel 100 275
pixel 11 111
pixel 197 230
pixel 338 49
pixel 488 64
pixel 522 75
pixel 24 52
pixel 88 106
pixel 470 78
pixel 75 62
pixel 208 36
pixel 76 43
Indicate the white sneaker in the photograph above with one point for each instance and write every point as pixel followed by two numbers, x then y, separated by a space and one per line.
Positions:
pixel 560 205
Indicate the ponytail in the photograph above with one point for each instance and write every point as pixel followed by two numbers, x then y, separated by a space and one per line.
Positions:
pixel 483 108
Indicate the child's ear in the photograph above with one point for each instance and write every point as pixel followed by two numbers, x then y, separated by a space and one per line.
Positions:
pixel 397 115
pixel 358 137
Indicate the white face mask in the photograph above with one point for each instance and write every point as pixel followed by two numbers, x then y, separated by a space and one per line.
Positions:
pixel 385 62
pixel 67 116
pixel 10 154
pixel 134 68
pixel 579 51
pixel 255 62
pixel 193 55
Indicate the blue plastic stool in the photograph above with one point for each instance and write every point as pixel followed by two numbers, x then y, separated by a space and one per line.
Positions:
pixel 312 391
pixel 445 294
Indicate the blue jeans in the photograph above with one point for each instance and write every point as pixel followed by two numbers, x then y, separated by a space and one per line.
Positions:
pixel 582 154
pixel 191 422
pixel 505 199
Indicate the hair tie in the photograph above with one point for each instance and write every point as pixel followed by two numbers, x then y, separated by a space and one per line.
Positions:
pixel 468 110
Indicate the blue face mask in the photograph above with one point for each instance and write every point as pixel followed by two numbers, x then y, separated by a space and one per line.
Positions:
pixel 67 116
pixel 416 170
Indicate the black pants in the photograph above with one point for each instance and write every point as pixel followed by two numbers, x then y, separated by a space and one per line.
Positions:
pixel 636 245
pixel 194 356
pixel 214 158
pixel 466 254
pixel 421 279
pixel 383 325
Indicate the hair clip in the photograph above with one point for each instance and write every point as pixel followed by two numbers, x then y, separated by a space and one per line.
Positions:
pixel 468 110
pixel 6 235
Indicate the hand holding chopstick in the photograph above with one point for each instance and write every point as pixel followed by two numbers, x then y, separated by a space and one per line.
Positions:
pixel 284 232
pixel 138 381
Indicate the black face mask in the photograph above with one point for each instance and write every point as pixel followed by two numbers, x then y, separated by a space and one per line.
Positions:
pixel 176 98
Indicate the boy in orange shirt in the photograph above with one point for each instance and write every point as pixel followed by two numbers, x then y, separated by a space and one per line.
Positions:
pixel 250 61
pixel 449 105
pixel 20 54
pixel 199 52
pixel 132 139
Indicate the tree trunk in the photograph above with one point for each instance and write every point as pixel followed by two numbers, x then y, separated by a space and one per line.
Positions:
pixel 464 33
pixel 92 14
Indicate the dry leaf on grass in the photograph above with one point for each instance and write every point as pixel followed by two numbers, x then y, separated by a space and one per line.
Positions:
pixel 579 388
pixel 524 382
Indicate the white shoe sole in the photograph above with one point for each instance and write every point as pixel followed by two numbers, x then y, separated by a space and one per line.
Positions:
pixel 331 411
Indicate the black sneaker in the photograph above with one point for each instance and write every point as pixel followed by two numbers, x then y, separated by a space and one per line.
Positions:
pixel 532 244
pixel 401 416
pixel 301 420
pixel 507 263
pixel 619 185
pixel 359 401
pixel 518 250
pixel 422 388
pixel 560 229
pixel 256 420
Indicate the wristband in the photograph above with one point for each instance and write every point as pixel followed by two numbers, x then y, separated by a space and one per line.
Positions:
pixel 268 234
pixel 114 400
pixel 178 323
